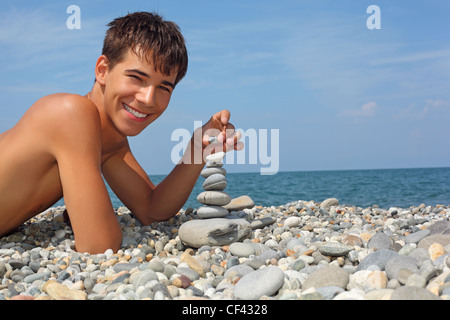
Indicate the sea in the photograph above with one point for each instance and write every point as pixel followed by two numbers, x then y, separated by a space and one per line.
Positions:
pixel 385 188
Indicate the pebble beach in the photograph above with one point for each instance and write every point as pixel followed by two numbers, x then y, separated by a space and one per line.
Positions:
pixel 303 250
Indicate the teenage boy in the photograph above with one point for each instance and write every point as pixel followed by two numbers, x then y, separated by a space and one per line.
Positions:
pixel 65 144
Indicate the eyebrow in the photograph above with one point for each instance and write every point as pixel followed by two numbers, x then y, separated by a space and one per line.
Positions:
pixel 167 83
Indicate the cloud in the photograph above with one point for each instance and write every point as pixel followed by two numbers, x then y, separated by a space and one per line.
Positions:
pixel 438 108
pixel 421 56
pixel 342 64
pixel 367 110
pixel 439 103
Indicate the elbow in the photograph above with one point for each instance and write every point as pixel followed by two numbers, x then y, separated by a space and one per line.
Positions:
pixel 152 216
pixel 148 220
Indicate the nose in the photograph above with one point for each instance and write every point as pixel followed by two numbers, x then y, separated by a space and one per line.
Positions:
pixel 147 96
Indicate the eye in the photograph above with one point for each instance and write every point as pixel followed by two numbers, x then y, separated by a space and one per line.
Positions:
pixel 165 89
pixel 135 77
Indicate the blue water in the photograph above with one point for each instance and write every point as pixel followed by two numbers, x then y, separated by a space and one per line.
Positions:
pixel 384 187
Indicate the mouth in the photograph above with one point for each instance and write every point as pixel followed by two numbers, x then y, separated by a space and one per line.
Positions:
pixel 135 113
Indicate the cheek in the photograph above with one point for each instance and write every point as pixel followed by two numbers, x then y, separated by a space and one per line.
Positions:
pixel 163 102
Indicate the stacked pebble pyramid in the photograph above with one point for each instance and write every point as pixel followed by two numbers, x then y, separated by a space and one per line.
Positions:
pixel 214 197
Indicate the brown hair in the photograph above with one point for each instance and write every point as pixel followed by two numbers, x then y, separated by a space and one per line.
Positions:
pixel 151 38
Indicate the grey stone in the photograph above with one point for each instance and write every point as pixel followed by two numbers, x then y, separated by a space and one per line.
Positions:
pixel 214 198
pixel 213 232
pixel 413 293
pixel 156 265
pixel 419 253
pixel 325 277
pixel 142 277
pixel 254 285
pixel 379 241
pixel 125 266
pixel 394 265
pixel 210 171
pixel 241 249
pixel 215 182
pixel 416 236
pixel 329 202
pixel 330 292
pixel 416 280
pixel 403 275
pixel 37 276
pixel 428 270
pixel 292 222
pixel 6 252
pixel 378 258
pixel 335 249
pixel 240 203
pixel 238 270
pixel 426 242
pixel 261 223
pixel 189 273
pixel 214 165
pixel 17 263
pixel 439 227
pixel 207 212
pixel 295 243
pixel 215 157
pixel 298 264
pixel 2 269
pixel 122 278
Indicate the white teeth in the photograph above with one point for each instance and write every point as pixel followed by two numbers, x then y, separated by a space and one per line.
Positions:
pixel 135 113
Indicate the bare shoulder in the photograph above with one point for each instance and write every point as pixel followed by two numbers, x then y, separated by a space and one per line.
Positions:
pixel 63 120
pixel 65 106
pixel 59 113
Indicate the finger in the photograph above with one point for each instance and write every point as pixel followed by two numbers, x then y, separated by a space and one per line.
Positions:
pixel 227 132
pixel 239 146
pixel 225 117
pixel 234 138
pixel 205 140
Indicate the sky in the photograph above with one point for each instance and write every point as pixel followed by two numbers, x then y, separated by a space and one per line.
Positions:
pixel 311 84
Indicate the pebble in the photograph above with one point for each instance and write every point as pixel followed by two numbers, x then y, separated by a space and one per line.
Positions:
pixel 240 203
pixel 394 265
pixel 379 241
pixel 240 249
pixel 329 202
pixel 413 293
pixel 256 284
pixel 327 276
pixel 213 232
pixel 335 249
pixel 214 170
pixel 436 250
pixel 215 182
pixel 207 212
pixel 378 258
pixel 216 157
pixel 292 222
pixel 301 250
pixel 58 291
pixel 214 198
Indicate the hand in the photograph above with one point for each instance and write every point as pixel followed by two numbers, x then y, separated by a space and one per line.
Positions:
pixel 220 127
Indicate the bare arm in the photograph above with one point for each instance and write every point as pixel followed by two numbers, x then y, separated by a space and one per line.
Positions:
pixel 76 145
pixel 149 203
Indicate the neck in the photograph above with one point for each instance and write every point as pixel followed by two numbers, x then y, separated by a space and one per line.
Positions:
pixel 96 95
pixel 111 138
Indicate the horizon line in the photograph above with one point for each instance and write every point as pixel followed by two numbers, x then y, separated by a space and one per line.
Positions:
pixel 323 170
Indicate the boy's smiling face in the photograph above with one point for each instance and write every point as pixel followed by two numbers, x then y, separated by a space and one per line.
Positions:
pixel 135 94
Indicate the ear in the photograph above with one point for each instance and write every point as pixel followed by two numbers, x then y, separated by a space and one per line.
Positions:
pixel 101 69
